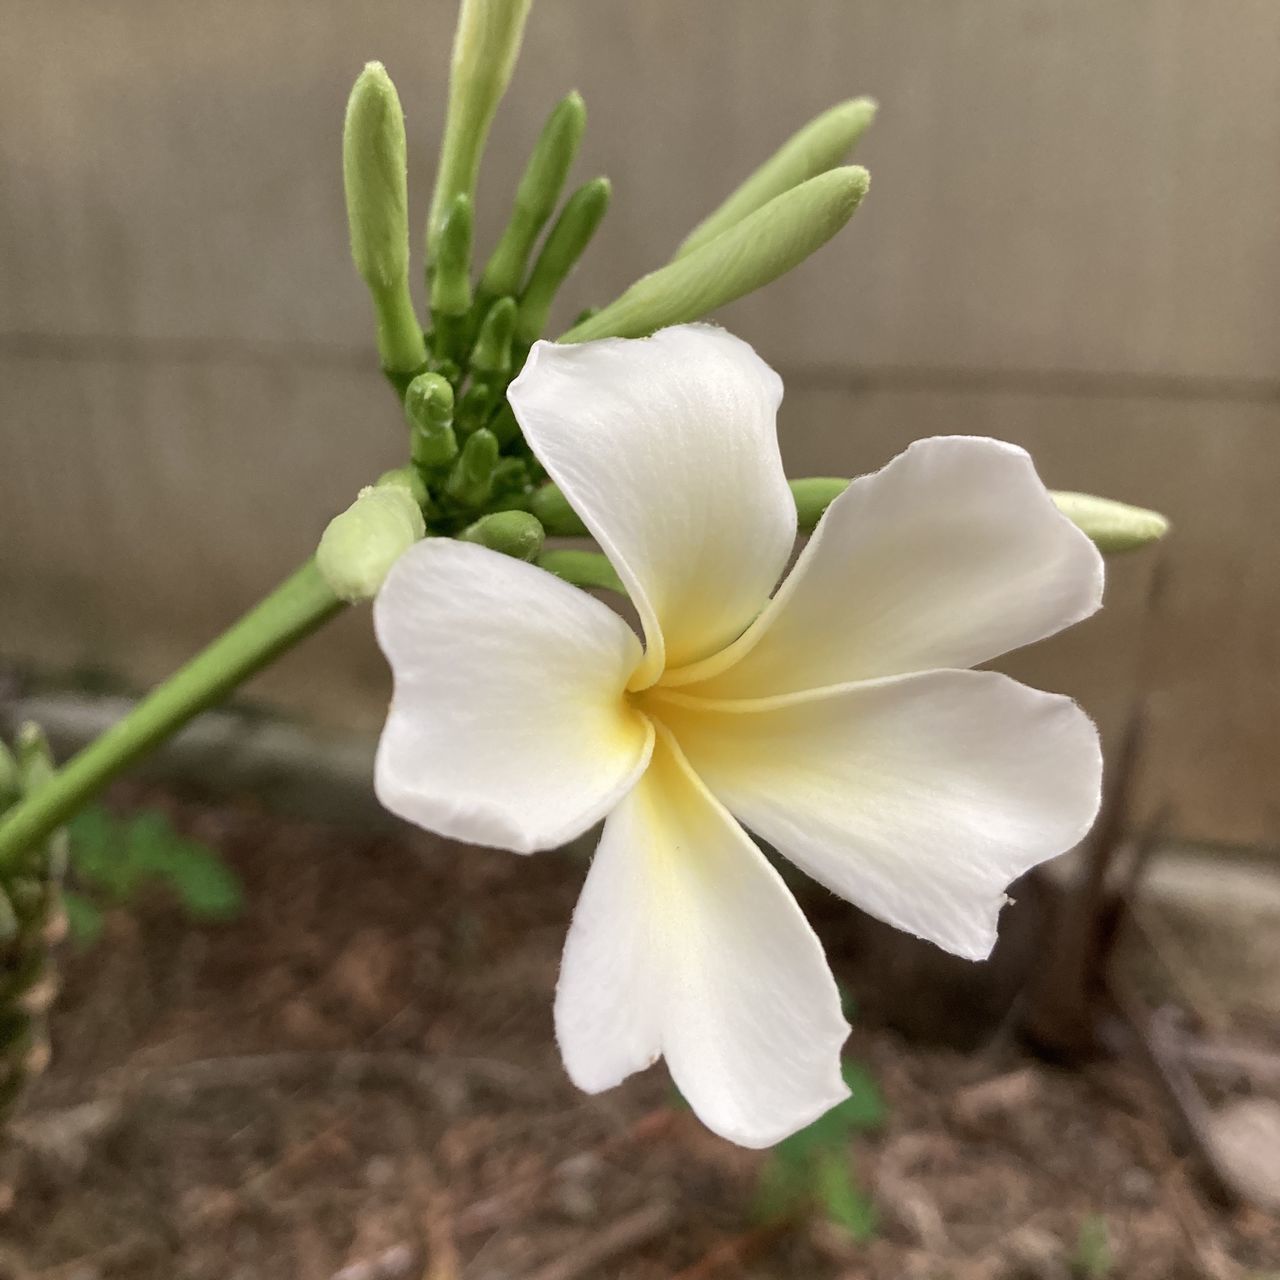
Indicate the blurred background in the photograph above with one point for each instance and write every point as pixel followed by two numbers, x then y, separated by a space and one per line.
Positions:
pixel 1071 242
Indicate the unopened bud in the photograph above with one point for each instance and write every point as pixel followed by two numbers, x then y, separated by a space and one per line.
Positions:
pixel 471 480
pixel 536 196
pixel 565 244
pixel 1113 526
pixel 408 479
pixel 485 46
pixel 821 145
pixel 557 516
pixel 513 533
pixel 813 495
pixel 492 351
pixel 374 176
pixel 761 247
pixel 35 760
pixel 428 405
pixel 359 546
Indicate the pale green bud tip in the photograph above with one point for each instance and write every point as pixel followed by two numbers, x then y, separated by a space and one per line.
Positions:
pixel 1113 526
pixel 821 145
pixel 513 533
pixel 408 479
pixel 750 254
pixel 374 176
pixel 359 547
pixel 428 402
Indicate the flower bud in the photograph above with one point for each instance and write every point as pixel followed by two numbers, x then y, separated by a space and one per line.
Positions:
pixel 374 176
pixel 492 351
pixel 813 495
pixel 35 760
pixel 557 516
pixel 565 244
pixel 1113 526
pixel 485 46
pixel 428 405
pixel 451 280
pixel 407 479
pixel 819 146
pixel 513 533
pixel 471 480
pixel 536 196
pixel 582 569
pixel 761 247
pixel 359 546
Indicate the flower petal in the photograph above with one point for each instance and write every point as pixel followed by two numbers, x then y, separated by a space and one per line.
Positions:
pixel 918 798
pixel 952 554
pixel 686 943
pixel 509 725
pixel 667 448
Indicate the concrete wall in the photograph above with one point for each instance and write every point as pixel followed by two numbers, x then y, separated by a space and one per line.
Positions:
pixel 1071 242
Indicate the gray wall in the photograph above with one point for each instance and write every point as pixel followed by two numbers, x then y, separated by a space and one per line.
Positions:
pixel 1071 242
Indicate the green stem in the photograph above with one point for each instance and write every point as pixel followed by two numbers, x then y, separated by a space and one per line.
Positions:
pixel 296 608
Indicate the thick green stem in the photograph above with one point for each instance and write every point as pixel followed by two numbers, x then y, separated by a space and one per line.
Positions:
pixel 299 605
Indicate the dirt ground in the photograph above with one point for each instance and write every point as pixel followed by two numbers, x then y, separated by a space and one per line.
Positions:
pixel 358 1080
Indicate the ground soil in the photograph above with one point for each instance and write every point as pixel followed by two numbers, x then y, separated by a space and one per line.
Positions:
pixel 358 1079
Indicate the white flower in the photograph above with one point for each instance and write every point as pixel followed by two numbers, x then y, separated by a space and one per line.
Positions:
pixel 838 720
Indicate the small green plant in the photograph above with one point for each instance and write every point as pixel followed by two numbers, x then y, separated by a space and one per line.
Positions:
pixel 813 1169
pixel 116 859
pixel 1092 1258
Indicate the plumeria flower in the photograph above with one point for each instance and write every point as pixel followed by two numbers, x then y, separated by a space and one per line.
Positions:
pixel 838 718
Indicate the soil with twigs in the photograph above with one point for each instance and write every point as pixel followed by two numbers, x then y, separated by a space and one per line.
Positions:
pixel 358 1079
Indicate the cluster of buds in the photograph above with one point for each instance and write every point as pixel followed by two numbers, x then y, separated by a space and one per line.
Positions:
pixel 32 922
pixel 471 474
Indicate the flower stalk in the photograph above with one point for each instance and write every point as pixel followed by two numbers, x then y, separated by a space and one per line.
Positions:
pixel 295 609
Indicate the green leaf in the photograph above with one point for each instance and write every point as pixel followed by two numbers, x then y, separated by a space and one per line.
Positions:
pixel 204 884
pixel 865 1110
pixel 842 1200
pixel 115 860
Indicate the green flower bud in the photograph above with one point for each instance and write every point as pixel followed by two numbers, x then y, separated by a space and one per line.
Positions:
pixel 35 760
pixel 536 196
pixel 492 351
pixel 582 569
pixel 813 496
pixel 451 280
pixel 428 405
pixel 557 516
pixel 504 425
pixel 471 480
pixel 761 247
pixel 511 479
pixel 485 46
pixel 1113 526
pixel 409 480
pixel 513 533
pixel 821 145
pixel 477 404
pixel 374 176
pixel 565 244
pixel 359 546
